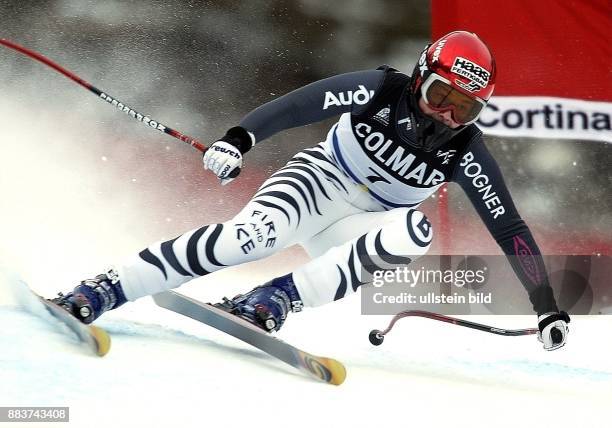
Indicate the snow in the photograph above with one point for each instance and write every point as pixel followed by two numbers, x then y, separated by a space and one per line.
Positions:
pixel 166 370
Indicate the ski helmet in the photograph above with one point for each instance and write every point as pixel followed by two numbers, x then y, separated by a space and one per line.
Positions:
pixel 456 73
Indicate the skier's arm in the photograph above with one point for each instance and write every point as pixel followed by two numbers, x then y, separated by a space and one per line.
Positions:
pixel 312 103
pixel 481 179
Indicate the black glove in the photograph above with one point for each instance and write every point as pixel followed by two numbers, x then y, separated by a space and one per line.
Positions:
pixel 239 138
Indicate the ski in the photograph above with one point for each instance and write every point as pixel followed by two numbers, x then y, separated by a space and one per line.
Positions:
pixel 91 337
pixel 325 369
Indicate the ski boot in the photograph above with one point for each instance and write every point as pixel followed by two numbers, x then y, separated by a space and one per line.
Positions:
pixel 92 297
pixel 265 306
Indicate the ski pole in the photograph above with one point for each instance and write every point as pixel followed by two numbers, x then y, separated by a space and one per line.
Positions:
pixel 103 95
pixel 377 336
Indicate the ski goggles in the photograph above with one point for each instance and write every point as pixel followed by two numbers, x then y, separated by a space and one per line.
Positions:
pixel 440 95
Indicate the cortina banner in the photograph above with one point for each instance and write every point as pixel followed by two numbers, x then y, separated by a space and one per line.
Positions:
pixel 553 64
pixel 547 117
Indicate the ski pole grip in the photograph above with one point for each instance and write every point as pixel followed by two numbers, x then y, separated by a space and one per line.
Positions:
pixel 556 335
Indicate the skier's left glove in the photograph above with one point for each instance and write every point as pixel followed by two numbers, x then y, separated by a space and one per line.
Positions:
pixel 553 329
pixel 224 156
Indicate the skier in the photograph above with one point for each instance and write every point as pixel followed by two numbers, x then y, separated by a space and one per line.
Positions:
pixel 351 200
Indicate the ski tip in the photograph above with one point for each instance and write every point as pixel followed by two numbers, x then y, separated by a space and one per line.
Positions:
pixel 103 340
pixel 338 371
pixel 326 369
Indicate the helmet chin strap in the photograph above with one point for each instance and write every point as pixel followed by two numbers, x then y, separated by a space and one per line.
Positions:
pixel 431 133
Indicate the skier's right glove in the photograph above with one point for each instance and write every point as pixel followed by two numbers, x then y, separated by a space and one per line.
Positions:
pixel 224 157
pixel 553 329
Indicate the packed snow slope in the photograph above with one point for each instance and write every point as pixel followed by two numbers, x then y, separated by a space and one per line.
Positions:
pixel 164 370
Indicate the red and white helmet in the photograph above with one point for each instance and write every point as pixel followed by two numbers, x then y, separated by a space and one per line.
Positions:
pixel 462 61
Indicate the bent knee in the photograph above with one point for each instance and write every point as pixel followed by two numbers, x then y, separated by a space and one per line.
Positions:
pixel 405 233
pixel 419 230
